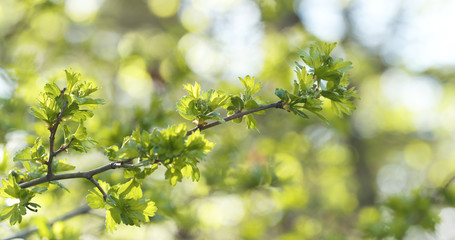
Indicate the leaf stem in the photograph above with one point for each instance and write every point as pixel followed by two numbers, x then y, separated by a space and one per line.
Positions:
pixel 63 147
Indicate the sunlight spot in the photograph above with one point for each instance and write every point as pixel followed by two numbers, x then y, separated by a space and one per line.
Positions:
pixel 323 18
pixel 219 211
pixel 163 8
pixel 82 10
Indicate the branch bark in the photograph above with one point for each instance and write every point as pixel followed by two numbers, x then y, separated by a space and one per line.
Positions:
pixel 278 104
pixel 91 179
pixel 87 175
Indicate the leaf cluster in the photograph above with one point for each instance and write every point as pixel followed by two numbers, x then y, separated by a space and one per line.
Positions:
pixel 74 99
pixel 10 189
pixel 57 107
pixel 405 211
pixel 169 147
pixel 245 101
pixel 125 204
pixel 322 76
pixel 201 105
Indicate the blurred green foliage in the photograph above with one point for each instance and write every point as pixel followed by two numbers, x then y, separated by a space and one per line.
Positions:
pixel 375 174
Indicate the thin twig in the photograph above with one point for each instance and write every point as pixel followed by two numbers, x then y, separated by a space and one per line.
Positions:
pixel 449 182
pixel 75 212
pixel 278 104
pixel 87 174
pixel 99 187
pixel 63 147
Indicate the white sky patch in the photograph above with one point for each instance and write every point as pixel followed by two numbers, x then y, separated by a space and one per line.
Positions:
pixel 323 18
pixel 7 85
pixel 82 10
pixel 428 36
pixel 416 33
pixel 419 94
pixel 392 179
pixel 445 229
pixel 218 211
pixel 232 45
pixel 371 20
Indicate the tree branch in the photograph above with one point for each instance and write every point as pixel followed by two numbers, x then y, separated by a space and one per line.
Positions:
pixel 124 164
pixel 63 147
pixel 75 212
pixel 87 175
pixel 99 187
pixel 278 104
pixel 448 183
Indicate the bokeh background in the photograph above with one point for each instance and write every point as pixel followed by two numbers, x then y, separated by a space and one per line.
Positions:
pixel 295 179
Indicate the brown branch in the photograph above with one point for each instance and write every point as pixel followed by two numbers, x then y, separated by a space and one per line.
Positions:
pixel 63 147
pixel 449 182
pixel 91 179
pixel 278 104
pixel 87 175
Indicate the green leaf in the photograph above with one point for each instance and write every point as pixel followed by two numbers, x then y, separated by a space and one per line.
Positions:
pixel 170 142
pixel 71 80
pixel 39 113
pixel 251 122
pixel 187 171
pixel 251 88
pixel 81 141
pixel 319 115
pixel 52 90
pixel 95 200
pixel 150 209
pixel 10 189
pixel 61 166
pixel 282 94
pixel 197 146
pixel 299 113
pixel 193 90
pixel 81 132
pixel 173 175
pixel 131 172
pixel 16 214
pixel 89 102
pixel 23 155
pixel 112 219
pixel 7 212
pixel 4 163
pixel 112 153
pixel 60 185
pixel 251 104
pixel 130 190
pixel 237 103
pixel 331 95
pixel 342 108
